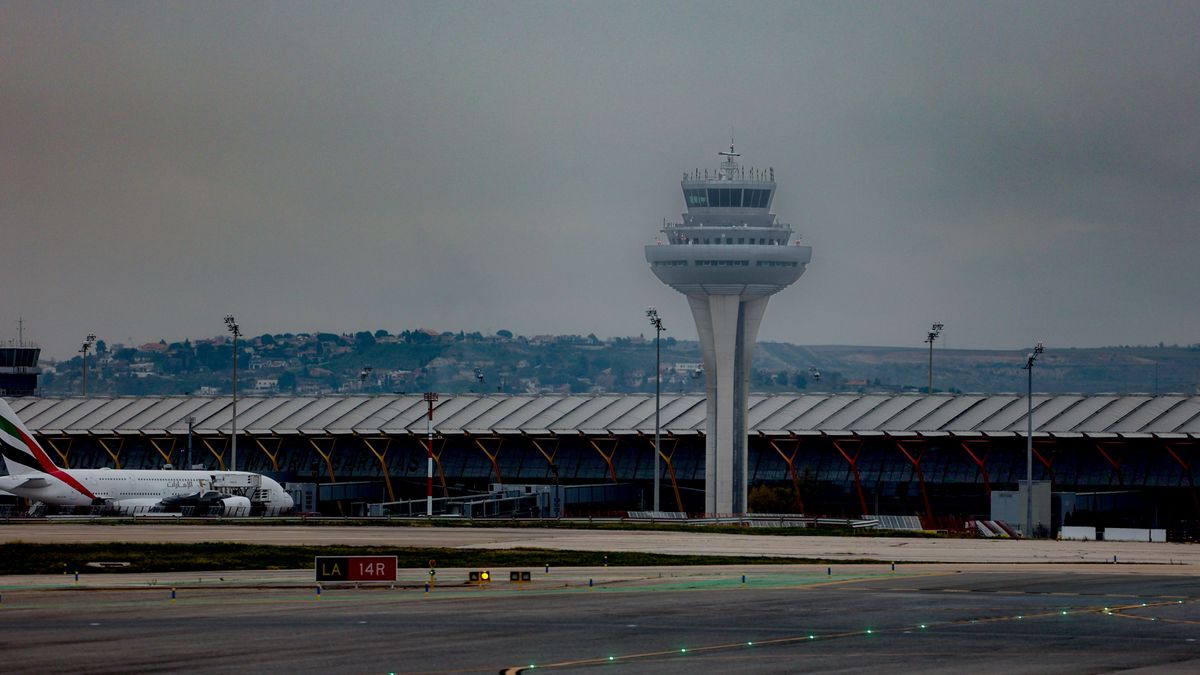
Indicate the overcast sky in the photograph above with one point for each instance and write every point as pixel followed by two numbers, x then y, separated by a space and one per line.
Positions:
pixel 1018 171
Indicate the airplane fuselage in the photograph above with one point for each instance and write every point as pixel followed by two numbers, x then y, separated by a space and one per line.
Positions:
pixel 136 487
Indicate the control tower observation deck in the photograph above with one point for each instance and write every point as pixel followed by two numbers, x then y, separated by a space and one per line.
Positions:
pixel 728 256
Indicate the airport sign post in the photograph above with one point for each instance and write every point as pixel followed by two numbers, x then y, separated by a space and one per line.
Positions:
pixel 355 568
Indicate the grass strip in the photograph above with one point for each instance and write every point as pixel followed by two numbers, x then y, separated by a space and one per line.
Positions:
pixel 821 531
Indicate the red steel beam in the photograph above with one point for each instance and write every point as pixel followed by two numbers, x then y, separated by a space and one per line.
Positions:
pixel 916 462
pixel 791 464
pixel 1187 473
pixel 980 462
pixel 1116 465
pixel 853 462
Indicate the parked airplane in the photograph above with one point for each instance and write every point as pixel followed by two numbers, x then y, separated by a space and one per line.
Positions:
pixel 32 474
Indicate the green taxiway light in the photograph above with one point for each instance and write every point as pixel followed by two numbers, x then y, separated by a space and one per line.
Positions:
pixel 749 644
pixel 612 658
pixel 683 650
pixel 922 625
pixel 812 637
pixel 1064 612
pixel 869 631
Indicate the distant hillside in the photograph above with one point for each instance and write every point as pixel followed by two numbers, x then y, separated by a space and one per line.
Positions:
pixel 328 363
pixel 1094 370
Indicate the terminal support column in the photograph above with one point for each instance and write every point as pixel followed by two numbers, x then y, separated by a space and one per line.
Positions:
pixel 727 326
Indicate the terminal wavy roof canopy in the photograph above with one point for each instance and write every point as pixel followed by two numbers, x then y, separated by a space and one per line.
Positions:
pixel 897 415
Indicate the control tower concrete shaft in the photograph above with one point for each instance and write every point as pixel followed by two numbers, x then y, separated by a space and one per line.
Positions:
pixel 728 256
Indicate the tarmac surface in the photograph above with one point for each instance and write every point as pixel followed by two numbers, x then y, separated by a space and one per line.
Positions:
pixel 883 549
pixel 989 606
pixel 918 618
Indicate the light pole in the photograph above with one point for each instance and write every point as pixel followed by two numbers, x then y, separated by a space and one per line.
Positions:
pixel 87 344
pixel 656 321
pixel 430 397
pixel 191 420
pixel 362 377
pixel 934 332
pixel 232 326
pixel 1029 443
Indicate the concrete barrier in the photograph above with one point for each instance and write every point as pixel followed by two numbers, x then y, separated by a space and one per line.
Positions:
pixel 1134 534
pixel 1078 533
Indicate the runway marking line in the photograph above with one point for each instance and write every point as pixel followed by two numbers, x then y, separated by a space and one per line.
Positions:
pixel 1121 612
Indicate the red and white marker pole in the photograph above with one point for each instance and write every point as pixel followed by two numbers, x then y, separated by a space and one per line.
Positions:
pixel 430 397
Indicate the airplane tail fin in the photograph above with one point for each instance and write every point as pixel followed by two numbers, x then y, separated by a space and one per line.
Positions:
pixel 22 454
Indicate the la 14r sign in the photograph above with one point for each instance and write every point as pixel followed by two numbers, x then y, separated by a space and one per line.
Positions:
pixel 356 568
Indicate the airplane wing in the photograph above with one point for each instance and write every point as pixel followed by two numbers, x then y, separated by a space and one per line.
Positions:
pixel 34 483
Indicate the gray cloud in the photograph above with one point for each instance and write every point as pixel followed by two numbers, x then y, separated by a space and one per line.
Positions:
pixel 1017 170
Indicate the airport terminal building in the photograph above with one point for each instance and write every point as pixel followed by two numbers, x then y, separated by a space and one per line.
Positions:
pixel 940 457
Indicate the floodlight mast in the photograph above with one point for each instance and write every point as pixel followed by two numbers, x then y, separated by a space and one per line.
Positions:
pixel 232 326
pixel 1030 358
pixel 87 345
pixel 656 321
pixel 935 331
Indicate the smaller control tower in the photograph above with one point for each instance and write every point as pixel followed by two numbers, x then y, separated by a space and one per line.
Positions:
pixel 728 256
pixel 19 366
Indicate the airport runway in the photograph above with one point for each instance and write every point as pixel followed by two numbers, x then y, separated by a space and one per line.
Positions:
pixel 997 605
pixel 1084 618
pixel 887 549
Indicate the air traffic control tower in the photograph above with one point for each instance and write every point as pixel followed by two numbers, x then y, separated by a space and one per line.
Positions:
pixel 728 256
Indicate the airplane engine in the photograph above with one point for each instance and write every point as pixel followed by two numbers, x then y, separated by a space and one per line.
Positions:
pixel 235 506
pixel 210 503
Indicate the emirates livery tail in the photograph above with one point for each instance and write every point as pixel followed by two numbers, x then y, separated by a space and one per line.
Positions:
pixel 24 458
